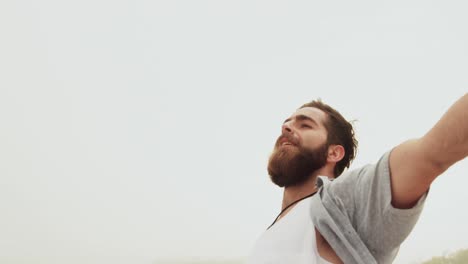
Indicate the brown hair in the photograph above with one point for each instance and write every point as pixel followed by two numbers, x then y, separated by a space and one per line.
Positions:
pixel 340 132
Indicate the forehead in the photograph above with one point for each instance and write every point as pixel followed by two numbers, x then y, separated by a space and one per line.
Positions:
pixel 316 114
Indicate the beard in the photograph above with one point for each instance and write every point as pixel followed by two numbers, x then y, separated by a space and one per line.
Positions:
pixel 292 165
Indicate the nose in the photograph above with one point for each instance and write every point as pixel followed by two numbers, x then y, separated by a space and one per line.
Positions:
pixel 286 128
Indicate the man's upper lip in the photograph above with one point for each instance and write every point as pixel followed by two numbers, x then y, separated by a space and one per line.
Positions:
pixel 286 140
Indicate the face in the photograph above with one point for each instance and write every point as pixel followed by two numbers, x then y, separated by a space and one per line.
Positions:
pixel 301 148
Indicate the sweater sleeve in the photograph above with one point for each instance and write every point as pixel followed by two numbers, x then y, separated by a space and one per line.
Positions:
pixel 364 197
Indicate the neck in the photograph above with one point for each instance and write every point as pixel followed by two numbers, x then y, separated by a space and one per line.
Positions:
pixel 296 192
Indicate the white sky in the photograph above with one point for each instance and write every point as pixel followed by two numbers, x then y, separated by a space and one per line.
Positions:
pixel 137 130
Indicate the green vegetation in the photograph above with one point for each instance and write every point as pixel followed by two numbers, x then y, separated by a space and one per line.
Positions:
pixel 459 257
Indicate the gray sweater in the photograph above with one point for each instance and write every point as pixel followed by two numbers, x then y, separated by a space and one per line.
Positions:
pixel 354 214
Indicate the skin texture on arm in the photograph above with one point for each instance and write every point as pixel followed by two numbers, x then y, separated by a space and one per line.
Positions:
pixel 416 163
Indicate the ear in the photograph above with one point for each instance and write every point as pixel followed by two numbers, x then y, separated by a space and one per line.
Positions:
pixel 335 153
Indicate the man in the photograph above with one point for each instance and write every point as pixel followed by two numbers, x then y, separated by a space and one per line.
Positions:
pixel 363 215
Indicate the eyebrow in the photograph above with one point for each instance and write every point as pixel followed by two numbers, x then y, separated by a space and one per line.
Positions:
pixel 302 118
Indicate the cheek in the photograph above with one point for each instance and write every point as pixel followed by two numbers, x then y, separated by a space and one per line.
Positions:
pixel 312 140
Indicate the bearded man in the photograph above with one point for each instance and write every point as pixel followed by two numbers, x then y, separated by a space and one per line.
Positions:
pixel 361 215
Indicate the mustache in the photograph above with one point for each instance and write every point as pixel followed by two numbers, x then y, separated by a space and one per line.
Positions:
pixel 288 138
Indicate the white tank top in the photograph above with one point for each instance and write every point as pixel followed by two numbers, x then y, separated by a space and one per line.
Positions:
pixel 290 240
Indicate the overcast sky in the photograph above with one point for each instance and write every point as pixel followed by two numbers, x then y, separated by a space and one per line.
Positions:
pixel 138 130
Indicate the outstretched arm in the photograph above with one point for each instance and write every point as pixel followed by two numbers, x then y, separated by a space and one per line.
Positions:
pixel 416 163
